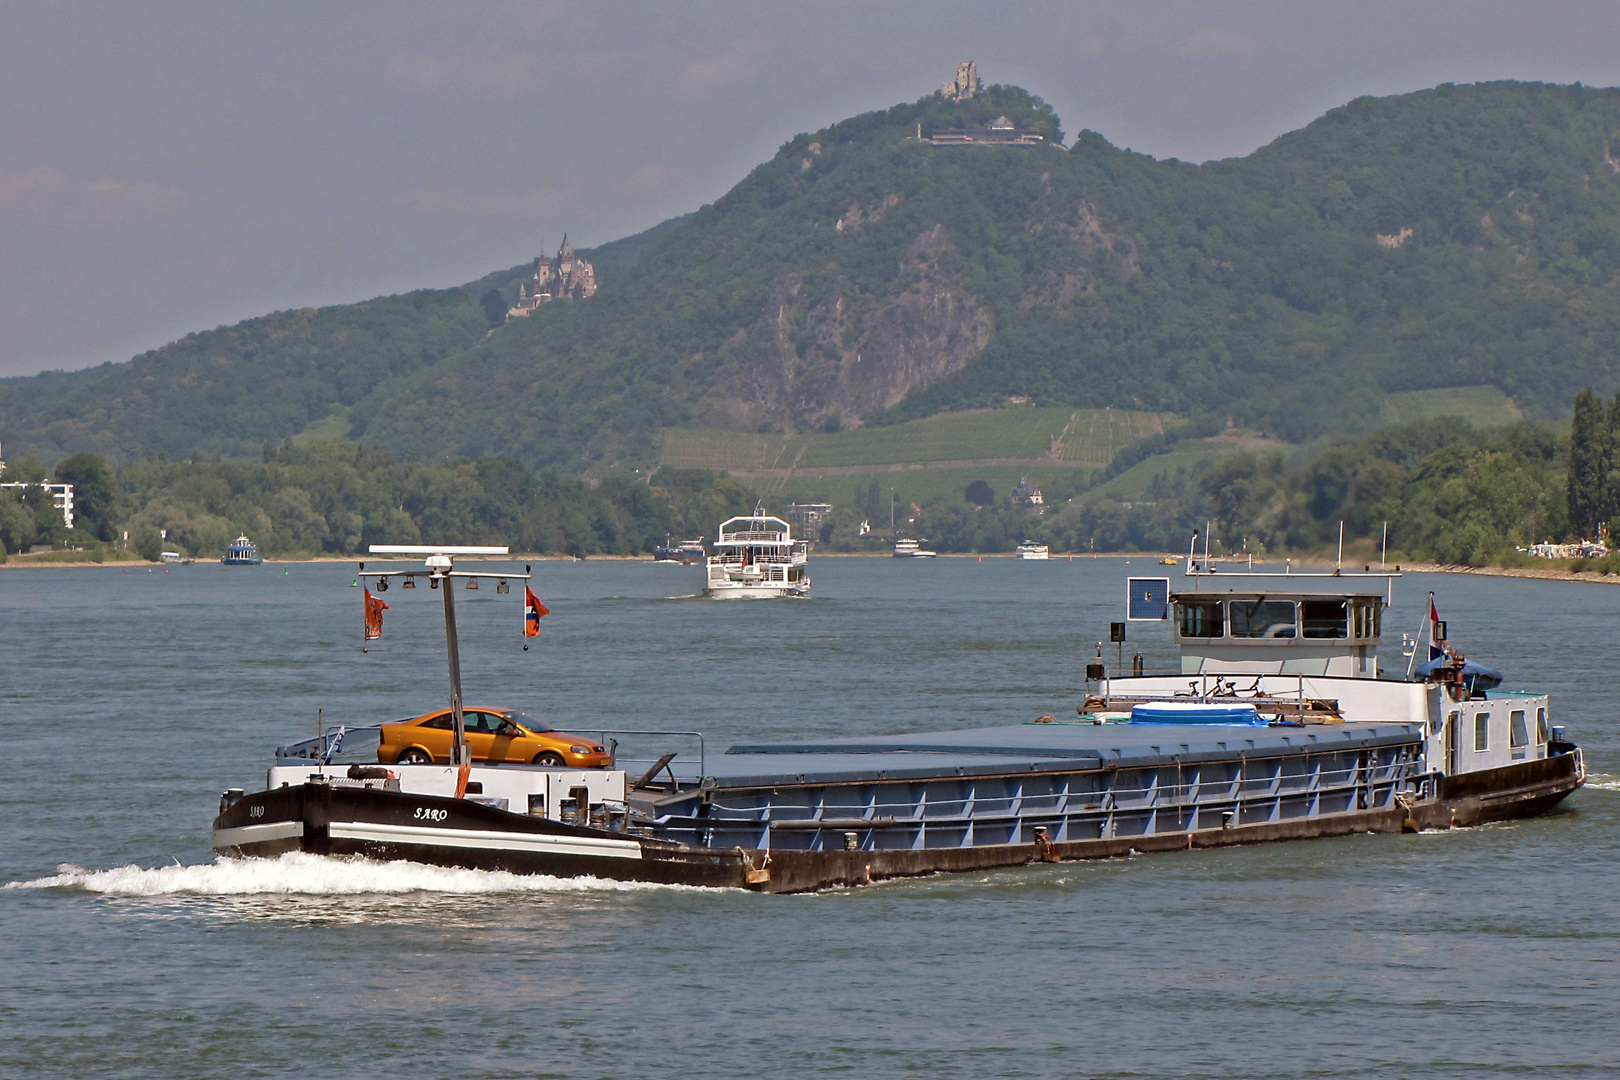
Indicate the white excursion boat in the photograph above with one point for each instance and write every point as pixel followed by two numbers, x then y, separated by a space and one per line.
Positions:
pixel 912 549
pixel 1031 550
pixel 757 556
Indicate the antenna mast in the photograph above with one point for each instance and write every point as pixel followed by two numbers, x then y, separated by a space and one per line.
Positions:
pixel 441 575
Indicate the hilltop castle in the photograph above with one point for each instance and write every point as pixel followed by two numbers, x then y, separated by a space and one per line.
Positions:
pixel 567 275
pixel 1001 132
pixel 966 83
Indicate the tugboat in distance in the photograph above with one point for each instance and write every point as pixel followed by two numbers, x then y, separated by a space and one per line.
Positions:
pixel 242 552
pixel 683 552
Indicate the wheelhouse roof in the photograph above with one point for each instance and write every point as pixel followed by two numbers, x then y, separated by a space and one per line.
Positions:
pixel 1271 594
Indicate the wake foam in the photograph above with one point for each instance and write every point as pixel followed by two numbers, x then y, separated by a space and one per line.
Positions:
pixel 299 874
pixel 1603 781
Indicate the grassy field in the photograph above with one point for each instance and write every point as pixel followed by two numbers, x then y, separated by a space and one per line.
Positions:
pixel 727 451
pixel 910 485
pixel 1098 434
pixel 1135 480
pixel 335 426
pixel 1093 435
pixel 993 433
pixel 1482 406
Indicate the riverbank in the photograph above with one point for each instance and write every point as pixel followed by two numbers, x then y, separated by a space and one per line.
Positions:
pixel 1303 564
pixel 1543 573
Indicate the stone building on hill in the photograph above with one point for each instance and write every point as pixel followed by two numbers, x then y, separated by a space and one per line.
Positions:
pixel 966 83
pixel 1028 495
pixel 1001 132
pixel 566 276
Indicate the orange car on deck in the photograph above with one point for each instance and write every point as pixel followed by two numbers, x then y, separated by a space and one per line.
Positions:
pixel 493 736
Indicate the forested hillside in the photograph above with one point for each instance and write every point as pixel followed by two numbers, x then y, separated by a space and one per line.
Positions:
pixel 1466 236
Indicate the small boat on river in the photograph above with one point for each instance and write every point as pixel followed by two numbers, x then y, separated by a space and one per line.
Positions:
pixel 242 552
pixel 679 553
pixel 1031 550
pixel 1281 723
pixel 757 556
pixel 912 549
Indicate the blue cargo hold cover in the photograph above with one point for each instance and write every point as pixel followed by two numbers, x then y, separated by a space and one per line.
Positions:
pixel 1195 712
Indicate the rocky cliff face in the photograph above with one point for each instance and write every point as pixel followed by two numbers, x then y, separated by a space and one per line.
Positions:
pixel 812 358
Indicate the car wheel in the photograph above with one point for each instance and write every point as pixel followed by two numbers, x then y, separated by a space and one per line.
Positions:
pixel 549 757
pixel 413 756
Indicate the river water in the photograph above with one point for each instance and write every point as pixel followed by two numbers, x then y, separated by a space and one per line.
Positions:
pixel 128 700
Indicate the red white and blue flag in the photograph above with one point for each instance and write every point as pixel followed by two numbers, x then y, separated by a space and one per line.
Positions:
pixel 1437 632
pixel 533 609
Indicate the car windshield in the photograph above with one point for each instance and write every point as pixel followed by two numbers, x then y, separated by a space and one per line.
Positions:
pixel 529 722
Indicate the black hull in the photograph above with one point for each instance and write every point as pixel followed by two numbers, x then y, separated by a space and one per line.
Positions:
pixel 328 819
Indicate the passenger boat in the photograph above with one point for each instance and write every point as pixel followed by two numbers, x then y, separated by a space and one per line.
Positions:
pixel 1281 724
pixel 242 552
pixel 757 556
pixel 682 553
pixel 1031 550
pixel 912 549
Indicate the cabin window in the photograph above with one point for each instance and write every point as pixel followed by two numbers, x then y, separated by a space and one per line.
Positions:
pixel 1263 618
pixel 1366 614
pixel 1542 733
pixel 1518 732
pixel 1201 618
pixel 1322 618
pixel 1482 732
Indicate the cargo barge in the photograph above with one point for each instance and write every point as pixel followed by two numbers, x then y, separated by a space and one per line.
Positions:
pixel 1277 727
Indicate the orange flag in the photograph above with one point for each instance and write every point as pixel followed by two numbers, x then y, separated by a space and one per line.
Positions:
pixel 533 609
pixel 374 610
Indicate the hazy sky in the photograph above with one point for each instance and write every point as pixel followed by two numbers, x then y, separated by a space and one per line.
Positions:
pixel 171 167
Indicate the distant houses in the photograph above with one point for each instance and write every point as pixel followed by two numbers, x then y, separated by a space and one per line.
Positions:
pixel 1028 495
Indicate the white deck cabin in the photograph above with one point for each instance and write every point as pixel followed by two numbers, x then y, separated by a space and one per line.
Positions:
pixel 757 556
pixel 1313 656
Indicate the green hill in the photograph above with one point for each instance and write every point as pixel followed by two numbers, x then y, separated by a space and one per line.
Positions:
pixel 1460 237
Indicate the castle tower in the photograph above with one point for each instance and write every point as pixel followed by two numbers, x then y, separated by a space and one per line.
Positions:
pixel 966 84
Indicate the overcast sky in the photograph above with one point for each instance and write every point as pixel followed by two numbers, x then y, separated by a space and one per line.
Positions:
pixel 171 167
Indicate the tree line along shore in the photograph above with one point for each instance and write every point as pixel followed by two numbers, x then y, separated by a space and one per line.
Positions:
pixel 1438 491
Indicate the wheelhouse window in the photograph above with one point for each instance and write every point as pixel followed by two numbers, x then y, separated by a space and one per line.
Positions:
pixel 1263 618
pixel 1482 732
pixel 1201 619
pixel 1323 618
pixel 1366 616
pixel 1518 732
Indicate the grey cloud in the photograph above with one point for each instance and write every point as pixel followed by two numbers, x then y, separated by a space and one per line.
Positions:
pixel 1209 41
pixel 50 197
